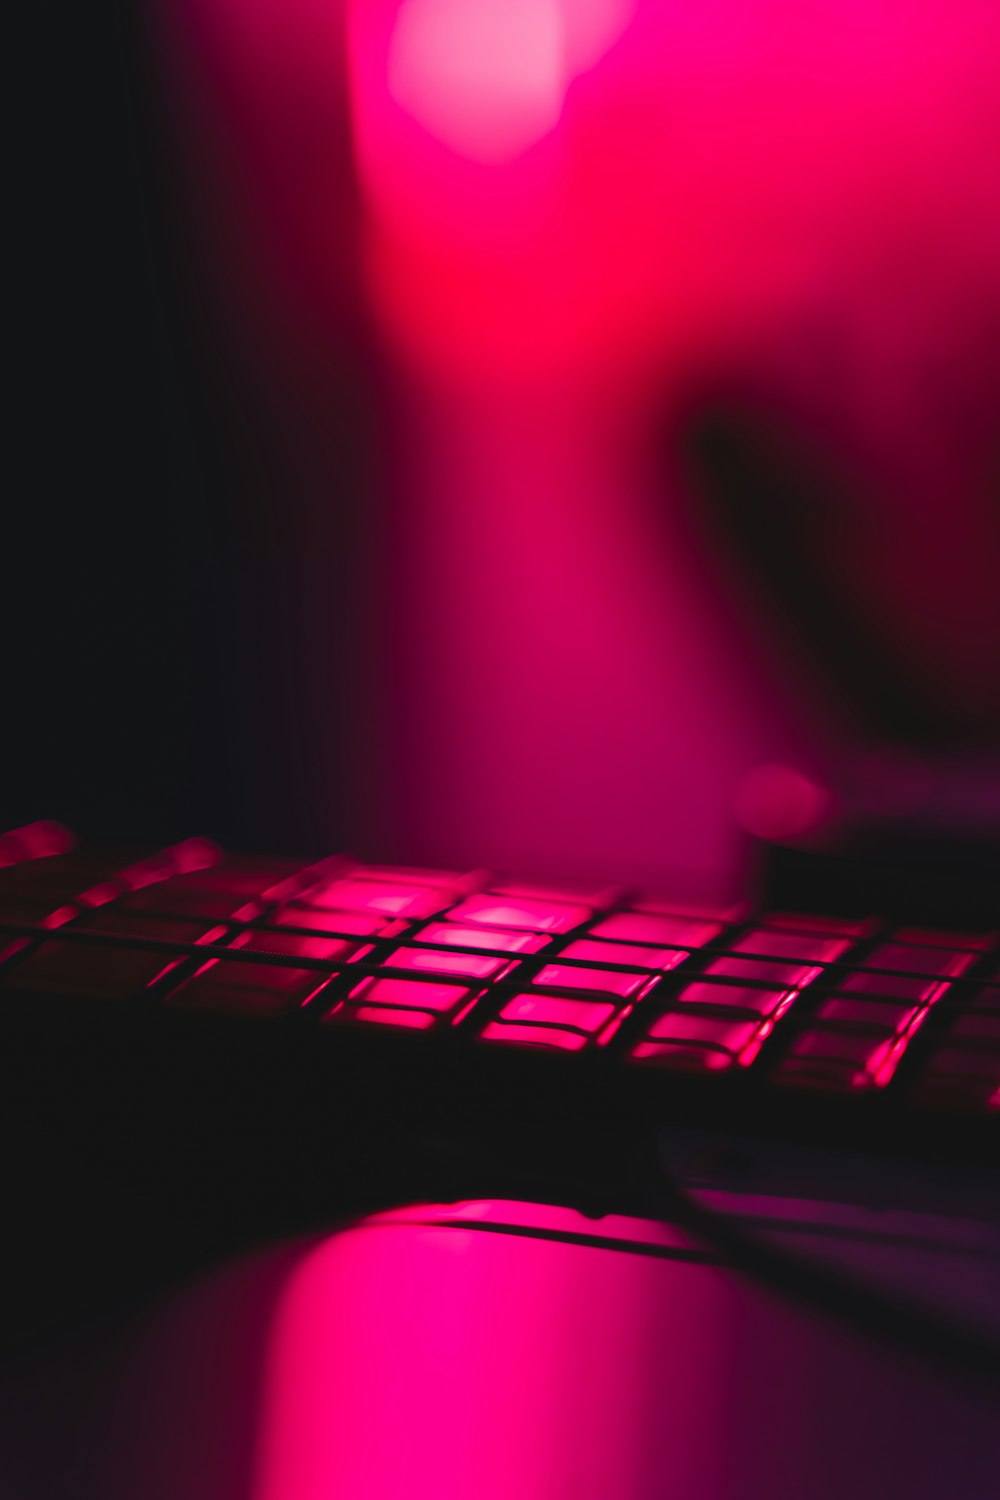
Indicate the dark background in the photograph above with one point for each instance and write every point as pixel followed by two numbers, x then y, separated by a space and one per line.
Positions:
pixel 153 607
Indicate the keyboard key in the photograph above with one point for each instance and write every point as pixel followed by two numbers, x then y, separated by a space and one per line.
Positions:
pixel 730 1035
pixel 836 1059
pixel 416 994
pixel 759 970
pixel 660 931
pixel 547 1020
pixel 447 961
pixel 549 1010
pixel 384 1015
pixel 380 897
pixel 99 972
pixel 520 913
pixel 918 991
pixel 317 919
pixel 606 981
pixel 456 936
pixel 258 991
pixel 884 1016
pixel 747 999
pixel 596 951
pixel 534 1036
pixel 808 947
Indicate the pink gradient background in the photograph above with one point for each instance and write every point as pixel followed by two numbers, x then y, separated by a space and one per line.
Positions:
pixel 547 258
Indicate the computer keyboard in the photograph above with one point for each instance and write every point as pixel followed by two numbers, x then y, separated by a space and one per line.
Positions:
pixel 660 997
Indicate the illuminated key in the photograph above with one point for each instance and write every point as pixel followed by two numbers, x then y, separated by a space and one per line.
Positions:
pixel 447 961
pixel 456 936
pixel 382 897
pixel 884 1016
pixel 661 931
pixel 747 999
pixel 520 913
pixel 655 960
pixel 716 1031
pixel 606 981
pixel 547 1020
pixel 417 994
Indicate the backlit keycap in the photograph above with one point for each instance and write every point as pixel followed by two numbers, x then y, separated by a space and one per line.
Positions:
pixel 361 924
pixel 807 947
pixel 607 981
pixel 93 971
pixel 411 993
pixel 520 913
pixel 383 1015
pixel 885 1016
pixel 747 999
pixel 716 1031
pixel 549 1010
pixel 661 931
pixel 761 971
pixel 446 961
pixel 836 1059
pixel 383 897
pixel 656 960
pixel 908 987
pixel 260 991
pixel 456 936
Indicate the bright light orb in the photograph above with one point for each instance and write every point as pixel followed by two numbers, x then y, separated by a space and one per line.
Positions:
pixel 488 78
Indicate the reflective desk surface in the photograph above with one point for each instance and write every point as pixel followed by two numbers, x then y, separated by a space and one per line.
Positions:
pixel 495 1350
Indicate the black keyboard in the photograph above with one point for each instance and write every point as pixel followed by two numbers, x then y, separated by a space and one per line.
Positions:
pixel 203 1052
pixel 847 1007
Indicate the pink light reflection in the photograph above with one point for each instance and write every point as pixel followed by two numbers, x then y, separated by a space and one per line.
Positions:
pixel 432 1363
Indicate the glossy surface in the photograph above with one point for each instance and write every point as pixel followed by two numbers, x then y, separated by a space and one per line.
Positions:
pixel 436 1355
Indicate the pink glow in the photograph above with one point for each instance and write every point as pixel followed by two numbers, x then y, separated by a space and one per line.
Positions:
pixel 632 927
pixel 660 959
pixel 719 1031
pixel 776 802
pixel 567 977
pixel 483 937
pixel 465 965
pixel 534 1036
pixel 382 897
pixel 364 924
pixel 683 1055
pixel 789 945
pixel 34 841
pixel 488 78
pixel 383 1015
pixel 410 992
pixel 726 189
pixel 586 1015
pixel 535 916
pixel 760 1001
